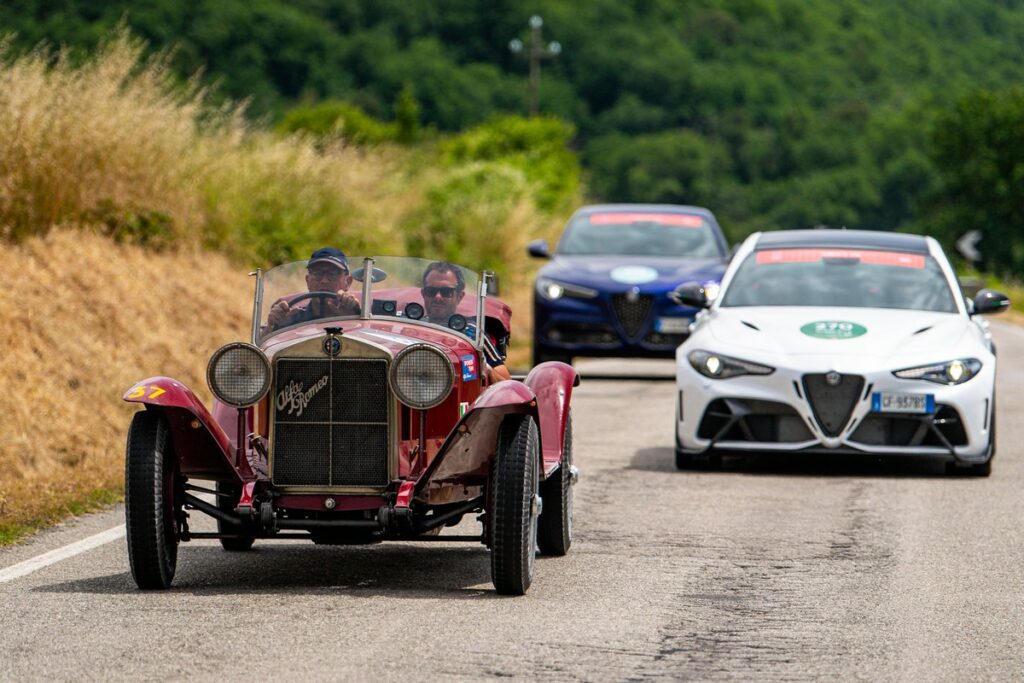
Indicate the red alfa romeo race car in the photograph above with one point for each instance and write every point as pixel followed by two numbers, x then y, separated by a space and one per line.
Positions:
pixel 355 415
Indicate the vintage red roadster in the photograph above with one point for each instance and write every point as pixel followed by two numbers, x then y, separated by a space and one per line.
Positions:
pixel 377 425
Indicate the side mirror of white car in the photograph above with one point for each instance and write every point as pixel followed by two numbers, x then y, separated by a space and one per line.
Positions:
pixel 990 301
pixel 691 294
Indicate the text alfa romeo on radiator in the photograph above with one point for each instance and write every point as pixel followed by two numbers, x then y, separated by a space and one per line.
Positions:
pixel 838 340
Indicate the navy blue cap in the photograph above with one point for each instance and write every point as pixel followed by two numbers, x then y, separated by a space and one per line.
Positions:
pixel 330 255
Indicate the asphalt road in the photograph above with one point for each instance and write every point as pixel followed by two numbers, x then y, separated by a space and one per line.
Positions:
pixel 772 569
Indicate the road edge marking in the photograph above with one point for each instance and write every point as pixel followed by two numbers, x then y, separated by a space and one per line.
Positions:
pixel 46 559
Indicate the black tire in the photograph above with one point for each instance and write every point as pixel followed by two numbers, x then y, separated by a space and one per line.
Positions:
pixel 241 542
pixel 554 528
pixel 514 484
pixel 152 489
pixel 543 356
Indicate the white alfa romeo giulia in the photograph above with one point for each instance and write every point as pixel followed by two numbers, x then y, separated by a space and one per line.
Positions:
pixel 838 340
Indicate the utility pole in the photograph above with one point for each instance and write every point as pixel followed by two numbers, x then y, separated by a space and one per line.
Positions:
pixel 536 53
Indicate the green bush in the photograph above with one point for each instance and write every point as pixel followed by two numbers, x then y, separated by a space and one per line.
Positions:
pixel 407 115
pixel 467 217
pixel 538 148
pixel 338 119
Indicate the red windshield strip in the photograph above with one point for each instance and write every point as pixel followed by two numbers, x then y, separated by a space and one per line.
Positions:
pixel 896 259
pixel 680 219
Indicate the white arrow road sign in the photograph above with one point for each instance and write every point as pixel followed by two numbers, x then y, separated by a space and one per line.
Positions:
pixel 966 245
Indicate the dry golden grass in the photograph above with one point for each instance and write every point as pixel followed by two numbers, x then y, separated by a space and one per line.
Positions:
pixel 117 143
pixel 84 318
pixel 80 137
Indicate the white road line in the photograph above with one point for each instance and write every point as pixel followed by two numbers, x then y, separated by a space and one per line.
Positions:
pixel 54 556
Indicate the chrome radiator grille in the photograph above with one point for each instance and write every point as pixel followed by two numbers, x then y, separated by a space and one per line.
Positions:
pixel 632 311
pixel 330 422
pixel 833 403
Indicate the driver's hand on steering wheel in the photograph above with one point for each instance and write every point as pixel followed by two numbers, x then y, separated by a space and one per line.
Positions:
pixel 278 313
pixel 345 304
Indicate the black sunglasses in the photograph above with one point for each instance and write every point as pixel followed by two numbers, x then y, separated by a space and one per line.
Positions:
pixel 446 292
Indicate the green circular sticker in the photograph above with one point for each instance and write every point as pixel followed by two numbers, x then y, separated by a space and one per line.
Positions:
pixel 833 329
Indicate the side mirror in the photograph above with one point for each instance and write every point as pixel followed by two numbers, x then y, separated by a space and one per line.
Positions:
pixel 538 249
pixel 990 301
pixel 493 289
pixel 359 275
pixel 691 294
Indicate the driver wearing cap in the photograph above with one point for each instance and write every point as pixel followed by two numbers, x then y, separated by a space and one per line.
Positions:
pixel 327 272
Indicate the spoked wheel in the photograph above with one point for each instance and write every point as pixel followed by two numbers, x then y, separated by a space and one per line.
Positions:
pixel 515 505
pixel 241 542
pixel 554 531
pixel 152 501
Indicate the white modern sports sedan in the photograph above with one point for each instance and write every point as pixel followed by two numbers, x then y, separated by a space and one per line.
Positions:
pixel 838 341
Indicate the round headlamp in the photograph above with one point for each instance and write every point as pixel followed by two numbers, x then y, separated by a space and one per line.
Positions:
pixel 422 376
pixel 238 374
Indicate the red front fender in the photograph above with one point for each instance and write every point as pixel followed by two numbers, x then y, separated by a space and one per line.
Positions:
pixel 469 449
pixel 552 384
pixel 201 446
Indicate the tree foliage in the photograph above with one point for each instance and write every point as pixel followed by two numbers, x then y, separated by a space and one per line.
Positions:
pixel 979 150
pixel 774 113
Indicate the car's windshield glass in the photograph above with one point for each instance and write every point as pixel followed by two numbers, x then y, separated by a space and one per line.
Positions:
pixel 424 289
pixel 858 278
pixel 294 294
pixel 639 233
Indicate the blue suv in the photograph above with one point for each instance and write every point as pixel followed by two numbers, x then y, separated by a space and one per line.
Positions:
pixel 609 287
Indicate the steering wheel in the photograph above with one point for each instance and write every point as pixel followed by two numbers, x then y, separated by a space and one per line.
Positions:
pixel 312 295
pixel 303 297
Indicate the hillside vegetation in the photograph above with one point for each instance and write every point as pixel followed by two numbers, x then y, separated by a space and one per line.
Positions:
pixel 775 113
pixel 131 211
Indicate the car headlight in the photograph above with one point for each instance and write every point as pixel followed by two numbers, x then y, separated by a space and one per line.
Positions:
pixel 422 376
pixel 553 290
pixel 951 372
pixel 238 374
pixel 717 366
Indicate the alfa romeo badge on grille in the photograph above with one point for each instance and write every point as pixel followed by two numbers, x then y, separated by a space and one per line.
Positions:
pixel 833 379
pixel 332 346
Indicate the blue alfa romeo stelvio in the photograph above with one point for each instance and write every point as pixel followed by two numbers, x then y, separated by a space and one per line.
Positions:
pixel 609 288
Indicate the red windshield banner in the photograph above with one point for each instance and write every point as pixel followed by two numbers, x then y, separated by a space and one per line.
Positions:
pixel 896 259
pixel 681 219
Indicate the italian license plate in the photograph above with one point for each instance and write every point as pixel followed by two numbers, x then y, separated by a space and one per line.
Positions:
pixel 672 325
pixel 892 402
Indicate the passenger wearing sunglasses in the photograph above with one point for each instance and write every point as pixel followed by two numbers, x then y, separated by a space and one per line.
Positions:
pixel 327 272
pixel 443 288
